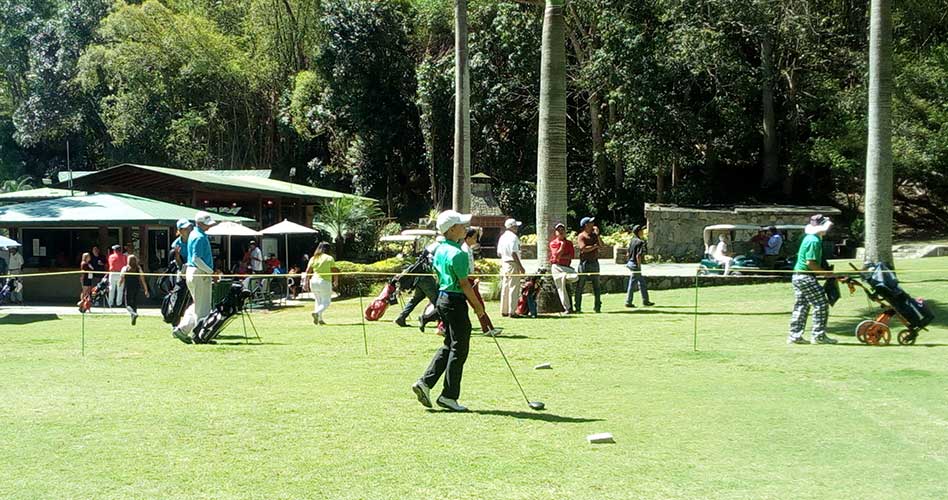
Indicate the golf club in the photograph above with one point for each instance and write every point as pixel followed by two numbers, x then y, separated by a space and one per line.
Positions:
pixel 534 405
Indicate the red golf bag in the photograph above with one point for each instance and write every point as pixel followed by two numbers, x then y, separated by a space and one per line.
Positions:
pixel 378 306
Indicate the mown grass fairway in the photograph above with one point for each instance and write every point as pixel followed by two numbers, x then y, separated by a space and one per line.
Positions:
pixel 308 415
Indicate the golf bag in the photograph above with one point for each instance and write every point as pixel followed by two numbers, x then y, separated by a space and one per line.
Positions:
pixel 6 292
pixel 378 306
pixel 210 326
pixel 175 302
pixel 406 281
pixel 100 293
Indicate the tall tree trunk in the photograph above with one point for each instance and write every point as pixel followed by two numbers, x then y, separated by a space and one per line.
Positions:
pixel 771 172
pixel 551 151
pixel 598 144
pixel 461 199
pixel 619 167
pixel 660 185
pixel 878 207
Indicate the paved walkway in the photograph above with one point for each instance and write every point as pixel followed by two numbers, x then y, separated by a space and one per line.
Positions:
pixel 609 267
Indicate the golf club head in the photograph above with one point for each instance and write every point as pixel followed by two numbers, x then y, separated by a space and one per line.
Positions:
pixel 536 405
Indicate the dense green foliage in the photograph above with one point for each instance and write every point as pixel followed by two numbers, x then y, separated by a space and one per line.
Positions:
pixel 668 100
pixel 307 414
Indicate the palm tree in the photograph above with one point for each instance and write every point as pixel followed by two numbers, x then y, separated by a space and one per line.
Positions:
pixel 345 217
pixel 19 184
pixel 551 151
pixel 878 202
pixel 461 199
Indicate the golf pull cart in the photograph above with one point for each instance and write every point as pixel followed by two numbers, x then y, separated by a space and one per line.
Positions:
pixel 745 260
pixel 882 287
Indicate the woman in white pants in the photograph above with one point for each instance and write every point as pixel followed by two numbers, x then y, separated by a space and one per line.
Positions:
pixel 320 269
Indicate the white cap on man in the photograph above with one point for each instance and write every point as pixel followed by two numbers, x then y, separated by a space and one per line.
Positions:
pixel 509 223
pixel 205 218
pixel 450 218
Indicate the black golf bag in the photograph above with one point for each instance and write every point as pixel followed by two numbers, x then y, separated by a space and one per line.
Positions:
pixel 230 304
pixel 406 281
pixel 100 292
pixel 175 302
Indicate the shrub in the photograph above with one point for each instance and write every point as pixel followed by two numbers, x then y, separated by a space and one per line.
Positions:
pixel 368 285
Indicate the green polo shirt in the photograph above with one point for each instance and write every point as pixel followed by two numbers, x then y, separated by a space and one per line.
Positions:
pixel 811 248
pixel 451 265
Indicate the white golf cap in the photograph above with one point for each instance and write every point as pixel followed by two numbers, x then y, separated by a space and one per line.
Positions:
pixel 183 224
pixel 450 218
pixel 205 218
pixel 509 223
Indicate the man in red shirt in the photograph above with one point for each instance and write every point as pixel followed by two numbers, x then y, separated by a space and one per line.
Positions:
pixel 117 260
pixel 561 256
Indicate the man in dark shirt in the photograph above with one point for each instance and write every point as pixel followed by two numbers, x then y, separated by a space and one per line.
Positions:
pixel 588 263
pixel 98 261
pixel 637 250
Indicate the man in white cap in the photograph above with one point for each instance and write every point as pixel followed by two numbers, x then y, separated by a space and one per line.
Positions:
pixel 454 294
pixel 197 276
pixel 806 289
pixel 508 249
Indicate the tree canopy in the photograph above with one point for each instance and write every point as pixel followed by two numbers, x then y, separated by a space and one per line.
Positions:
pixel 694 102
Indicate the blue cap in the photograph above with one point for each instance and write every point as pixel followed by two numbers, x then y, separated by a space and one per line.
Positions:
pixel 183 223
pixel 586 220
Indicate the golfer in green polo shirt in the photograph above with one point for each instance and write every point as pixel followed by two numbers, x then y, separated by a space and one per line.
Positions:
pixel 454 293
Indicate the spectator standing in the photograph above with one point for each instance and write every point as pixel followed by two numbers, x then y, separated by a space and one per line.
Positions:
pixel 179 247
pixel 637 251
pixel 807 291
pixel 511 268
pixel 98 261
pixel 85 281
pixel 15 266
pixel 588 263
pixel 117 260
pixel 198 276
pixel 561 258
pixel 320 269
pixel 256 258
pixel 772 248
pixel 133 281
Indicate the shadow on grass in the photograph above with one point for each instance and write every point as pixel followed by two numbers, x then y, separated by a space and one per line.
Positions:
pixel 700 313
pixel 524 415
pixel 893 344
pixel 252 343
pixel 26 319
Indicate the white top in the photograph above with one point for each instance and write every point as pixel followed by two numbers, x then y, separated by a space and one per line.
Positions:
pixel 16 262
pixel 507 246
pixel 720 251
pixel 256 259
pixel 470 256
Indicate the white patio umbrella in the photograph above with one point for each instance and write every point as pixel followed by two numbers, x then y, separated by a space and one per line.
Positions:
pixel 231 229
pixel 286 228
pixel 7 242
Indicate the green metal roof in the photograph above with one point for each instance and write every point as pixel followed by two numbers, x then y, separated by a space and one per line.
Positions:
pixel 45 193
pixel 213 179
pixel 102 209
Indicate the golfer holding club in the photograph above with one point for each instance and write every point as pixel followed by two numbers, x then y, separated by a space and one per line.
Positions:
pixel 454 293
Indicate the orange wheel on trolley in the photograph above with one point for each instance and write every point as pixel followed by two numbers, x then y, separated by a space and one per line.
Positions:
pixel 907 337
pixel 873 332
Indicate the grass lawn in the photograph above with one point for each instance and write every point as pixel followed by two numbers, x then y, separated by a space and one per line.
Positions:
pixel 308 415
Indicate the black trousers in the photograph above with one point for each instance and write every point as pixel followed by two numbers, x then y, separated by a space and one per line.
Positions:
pixel 588 266
pixel 450 358
pixel 131 294
pixel 425 288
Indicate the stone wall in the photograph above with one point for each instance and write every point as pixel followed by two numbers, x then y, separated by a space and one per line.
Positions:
pixel 675 233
